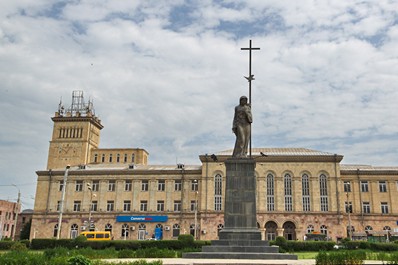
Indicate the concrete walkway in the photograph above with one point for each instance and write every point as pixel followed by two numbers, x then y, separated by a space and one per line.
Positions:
pixel 232 261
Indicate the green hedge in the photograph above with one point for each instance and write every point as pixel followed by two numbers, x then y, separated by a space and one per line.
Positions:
pixel 341 258
pixel 6 245
pixel 294 246
pixel 39 244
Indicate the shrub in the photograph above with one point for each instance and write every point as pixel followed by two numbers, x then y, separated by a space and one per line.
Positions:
pixel 341 258
pixel 18 246
pixel 79 260
pixel 52 253
pixel 186 238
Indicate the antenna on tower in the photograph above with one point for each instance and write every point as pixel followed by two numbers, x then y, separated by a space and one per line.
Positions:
pixel 79 107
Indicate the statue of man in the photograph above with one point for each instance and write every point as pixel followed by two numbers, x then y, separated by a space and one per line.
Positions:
pixel 241 127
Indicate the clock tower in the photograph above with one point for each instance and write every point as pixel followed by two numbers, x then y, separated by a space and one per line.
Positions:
pixel 76 133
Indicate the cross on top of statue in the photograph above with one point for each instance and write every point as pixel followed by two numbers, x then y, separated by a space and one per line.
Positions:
pixel 249 78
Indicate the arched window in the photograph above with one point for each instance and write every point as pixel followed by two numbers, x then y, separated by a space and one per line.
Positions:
pixel 323 185
pixel 310 229
pixel 74 231
pixel 270 230
pixel 108 227
pixel 55 230
pixel 368 228
pixel 218 192
pixel 141 232
pixel 289 230
pixel 288 193
pixel 270 193
pixel 324 229
pixel 386 228
pixel 125 231
pixel 219 228
pixel 192 229
pixel 306 193
pixel 176 230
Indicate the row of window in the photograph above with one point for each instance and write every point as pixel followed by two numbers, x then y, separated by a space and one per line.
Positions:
pixel 288 193
pixel 125 230
pixel 364 184
pixel 71 132
pixel 128 184
pixel 366 207
pixel 110 206
pixel 118 158
pixel 8 216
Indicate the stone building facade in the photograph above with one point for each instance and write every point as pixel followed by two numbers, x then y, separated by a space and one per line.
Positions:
pixel 8 215
pixel 299 191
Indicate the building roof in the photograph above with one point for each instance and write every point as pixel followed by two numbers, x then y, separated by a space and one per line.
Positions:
pixel 282 152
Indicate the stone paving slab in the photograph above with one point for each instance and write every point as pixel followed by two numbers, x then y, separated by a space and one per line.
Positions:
pixel 232 261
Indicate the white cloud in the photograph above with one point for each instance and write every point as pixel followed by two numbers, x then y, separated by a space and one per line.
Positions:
pixel 325 76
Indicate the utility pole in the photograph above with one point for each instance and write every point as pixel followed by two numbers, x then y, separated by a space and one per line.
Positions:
pixel 61 207
pixel 18 208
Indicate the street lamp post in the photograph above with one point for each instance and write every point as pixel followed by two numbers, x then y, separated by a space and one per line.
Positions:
pixel 349 219
pixel 61 206
pixel 196 215
pixel 18 208
pixel 90 206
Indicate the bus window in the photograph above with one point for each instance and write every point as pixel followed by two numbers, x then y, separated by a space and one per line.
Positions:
pixel 99 236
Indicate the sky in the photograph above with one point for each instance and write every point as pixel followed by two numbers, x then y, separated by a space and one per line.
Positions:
pixel 165 76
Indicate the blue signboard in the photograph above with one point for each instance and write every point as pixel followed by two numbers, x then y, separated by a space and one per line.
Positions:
pixel 142 219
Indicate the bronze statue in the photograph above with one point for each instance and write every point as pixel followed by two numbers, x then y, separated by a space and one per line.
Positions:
pixel 241 127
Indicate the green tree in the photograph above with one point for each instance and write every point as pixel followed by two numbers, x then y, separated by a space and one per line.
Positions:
pixel 25 232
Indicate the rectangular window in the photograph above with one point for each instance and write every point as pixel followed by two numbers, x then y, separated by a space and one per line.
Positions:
pixel 324 204
pixel 160 206
pixel 217 203
pixel 95 158
pixel 347 186
pixel 118 158
pixel 110 158
pixel 125 158
pixel 384 208
pixel 111 185
pixel 177 206
pixel 364 186
pixel 366 207
pixel 270 203
pixel 161 185
pixel 144 185
pixel 103 158
pixel 348 207
pixel 288 203
pixel 193 204
pixel 76 206
pixel 126 206
pixel 194 185
pixel 144 206
pixel 58 206
pixel 79 185
pixel 94 206
pixel 127 185
pixel 61 185
pixel 110 206
pixel 382 186
pixel 132 158
pixel 306 203
pixel 95 185
pixel 177 185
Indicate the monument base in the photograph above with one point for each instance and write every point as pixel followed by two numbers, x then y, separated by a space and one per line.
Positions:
pixel 240 238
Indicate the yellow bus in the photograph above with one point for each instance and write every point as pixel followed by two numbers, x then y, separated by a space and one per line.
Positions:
pixel 97 235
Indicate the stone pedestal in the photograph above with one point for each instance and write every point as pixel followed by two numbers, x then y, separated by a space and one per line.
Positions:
pixel 240 238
